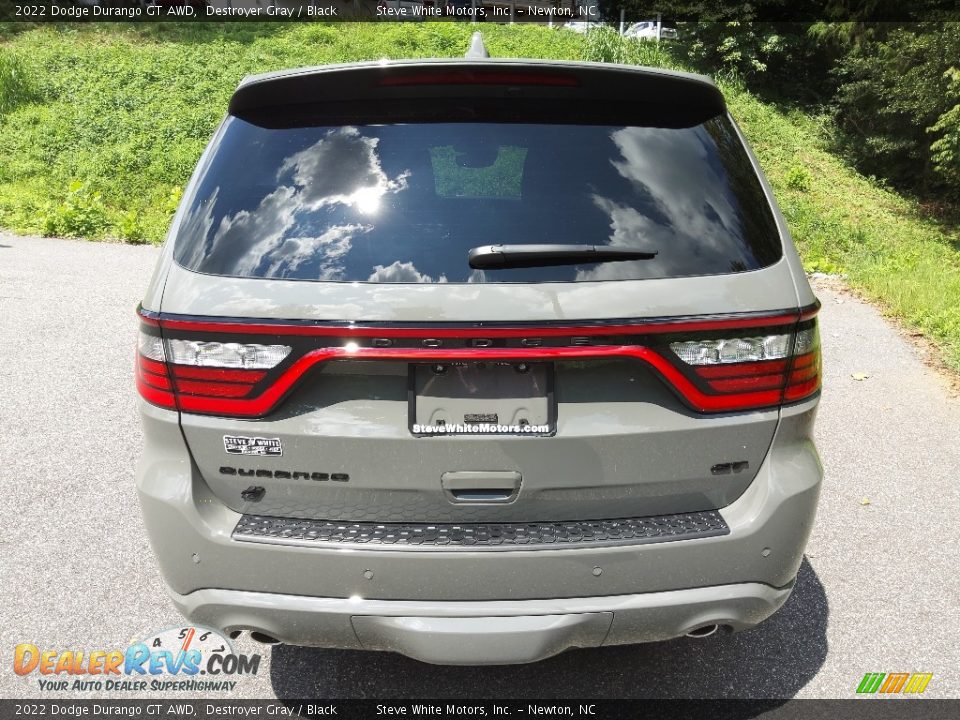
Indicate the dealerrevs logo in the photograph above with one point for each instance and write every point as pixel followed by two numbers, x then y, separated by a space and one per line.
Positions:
pixel 189 658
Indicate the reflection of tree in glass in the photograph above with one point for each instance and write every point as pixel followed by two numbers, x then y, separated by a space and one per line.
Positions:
pixel 502 180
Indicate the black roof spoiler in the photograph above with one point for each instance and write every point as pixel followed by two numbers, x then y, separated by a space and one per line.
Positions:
pixel 349 93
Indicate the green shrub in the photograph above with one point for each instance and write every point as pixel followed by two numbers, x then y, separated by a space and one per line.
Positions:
pixel 15 86
pixel 81 214
pixel 130 228
pixel 797 178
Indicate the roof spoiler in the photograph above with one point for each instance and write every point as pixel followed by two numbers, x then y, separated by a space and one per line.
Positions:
pixel 476 88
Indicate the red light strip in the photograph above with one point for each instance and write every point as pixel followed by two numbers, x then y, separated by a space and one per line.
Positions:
pixel 161 382
pixel 461 77
pixel 268 399
pixel 759 382
pixel 148 365
pixel 213 389
pixel 151 376
pixel 191 372
pixel 741 369
pixel 271 396
pixel 163 398
pixel 798 392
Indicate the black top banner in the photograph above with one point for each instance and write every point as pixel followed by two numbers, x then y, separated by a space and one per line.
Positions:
pixel 503 11
pixel 461 709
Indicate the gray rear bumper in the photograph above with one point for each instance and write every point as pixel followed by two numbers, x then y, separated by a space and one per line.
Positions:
pixel 476 606
pixel 482 633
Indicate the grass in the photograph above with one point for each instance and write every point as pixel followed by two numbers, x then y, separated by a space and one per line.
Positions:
pixel 103 140
pixel 886 246
pixel 101 125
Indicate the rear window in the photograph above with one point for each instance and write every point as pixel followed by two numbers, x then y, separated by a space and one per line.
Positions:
pixel 405 203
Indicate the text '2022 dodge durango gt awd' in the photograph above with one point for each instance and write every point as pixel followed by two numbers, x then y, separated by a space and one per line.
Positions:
pixel 476 361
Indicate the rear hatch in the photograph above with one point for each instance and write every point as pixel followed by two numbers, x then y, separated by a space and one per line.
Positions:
pixel 335 356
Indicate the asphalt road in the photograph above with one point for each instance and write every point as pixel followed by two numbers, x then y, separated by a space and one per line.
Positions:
pixel 878 592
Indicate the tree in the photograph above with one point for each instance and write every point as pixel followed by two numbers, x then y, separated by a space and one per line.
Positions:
pixel 946 150
pixel 897 104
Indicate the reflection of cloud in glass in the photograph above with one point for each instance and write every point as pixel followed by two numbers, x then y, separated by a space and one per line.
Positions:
pixel 342 167
pixel 477 276
pixel 331 247
pixel 401 272
pixel 631 228
pixel 659 161
pixel 698 211
pixel 259 232
pixel 197 223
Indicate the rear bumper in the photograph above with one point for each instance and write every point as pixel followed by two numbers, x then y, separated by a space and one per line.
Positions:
pixel 437 606
pixel 482 633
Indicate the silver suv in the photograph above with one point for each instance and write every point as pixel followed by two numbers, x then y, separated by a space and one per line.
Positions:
pixel 477 361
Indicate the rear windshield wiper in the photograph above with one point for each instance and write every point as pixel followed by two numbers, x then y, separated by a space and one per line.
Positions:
pixel 490 257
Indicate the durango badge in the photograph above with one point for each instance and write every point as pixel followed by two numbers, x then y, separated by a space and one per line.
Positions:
pixel 239 445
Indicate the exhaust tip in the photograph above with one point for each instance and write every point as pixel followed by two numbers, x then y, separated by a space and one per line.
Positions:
pixel 263 638
pixel 703 631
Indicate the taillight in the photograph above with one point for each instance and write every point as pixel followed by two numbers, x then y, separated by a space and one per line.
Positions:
pixel 733 350
pixel 755 370
pixel 245 368
pixel 198 375
pixel 805 373
pixel 153 380
pixel 250 356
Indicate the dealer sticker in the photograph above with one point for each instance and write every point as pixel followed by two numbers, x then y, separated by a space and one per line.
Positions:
pixel 239 445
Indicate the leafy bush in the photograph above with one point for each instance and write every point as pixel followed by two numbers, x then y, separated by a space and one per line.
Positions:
pixel 130 228
pixel 733 48
pixel 797 178
pixel 15 86
pixel 81 214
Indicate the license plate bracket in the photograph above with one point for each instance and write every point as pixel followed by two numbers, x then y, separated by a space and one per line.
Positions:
pixel 482 398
